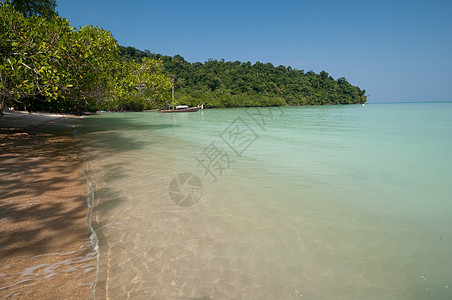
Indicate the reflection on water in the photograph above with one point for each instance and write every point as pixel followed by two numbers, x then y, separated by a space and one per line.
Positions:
pixel 344 202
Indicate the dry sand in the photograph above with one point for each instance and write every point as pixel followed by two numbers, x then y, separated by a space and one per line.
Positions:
pixel 45 249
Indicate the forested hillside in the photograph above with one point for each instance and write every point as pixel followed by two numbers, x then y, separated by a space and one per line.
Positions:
pixel 46 64
pixel 236 84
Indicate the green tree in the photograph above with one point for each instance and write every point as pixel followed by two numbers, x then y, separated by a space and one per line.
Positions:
pixel 27 58
pixel 47 63
pixel 47 59
pixel 136 85
pixel 44 8
pixel 88 60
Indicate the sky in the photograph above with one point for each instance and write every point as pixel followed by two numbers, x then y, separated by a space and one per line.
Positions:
pixel 396 50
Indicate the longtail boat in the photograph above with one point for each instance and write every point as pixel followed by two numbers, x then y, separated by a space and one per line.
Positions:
pixel 179 108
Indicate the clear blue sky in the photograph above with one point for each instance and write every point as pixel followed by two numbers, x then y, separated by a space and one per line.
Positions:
pixel 396 50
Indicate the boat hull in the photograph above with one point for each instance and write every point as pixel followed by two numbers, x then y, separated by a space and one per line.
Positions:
pixel 191 109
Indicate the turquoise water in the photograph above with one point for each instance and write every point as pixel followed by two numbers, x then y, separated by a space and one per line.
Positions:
pixel 334 202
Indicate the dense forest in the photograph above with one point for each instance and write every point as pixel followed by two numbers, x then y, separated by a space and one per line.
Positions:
pixel 236 84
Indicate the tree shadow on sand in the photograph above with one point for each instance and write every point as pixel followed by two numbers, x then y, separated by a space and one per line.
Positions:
pixel 44 162
pixel 38 196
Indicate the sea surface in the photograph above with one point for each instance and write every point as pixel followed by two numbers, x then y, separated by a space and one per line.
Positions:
pixel 324 202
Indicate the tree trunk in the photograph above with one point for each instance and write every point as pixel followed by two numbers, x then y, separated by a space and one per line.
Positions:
pixel 2 103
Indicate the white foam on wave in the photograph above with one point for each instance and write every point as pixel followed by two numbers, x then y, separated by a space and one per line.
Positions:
pixel 93 237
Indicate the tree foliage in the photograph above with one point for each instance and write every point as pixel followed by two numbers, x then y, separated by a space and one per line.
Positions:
pixel 137 86
pixel 43 8
pixel 238 84
pixel 48 59
pixel 47 64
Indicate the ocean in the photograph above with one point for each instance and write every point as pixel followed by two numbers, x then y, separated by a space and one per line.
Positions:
pixel 321 202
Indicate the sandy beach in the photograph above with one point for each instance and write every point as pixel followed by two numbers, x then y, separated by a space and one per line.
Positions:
pixel 45 247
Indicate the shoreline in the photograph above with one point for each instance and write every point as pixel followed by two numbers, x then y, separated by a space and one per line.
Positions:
pixel 45 245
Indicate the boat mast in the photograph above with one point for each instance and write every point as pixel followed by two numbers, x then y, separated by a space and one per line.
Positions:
pixel 172 86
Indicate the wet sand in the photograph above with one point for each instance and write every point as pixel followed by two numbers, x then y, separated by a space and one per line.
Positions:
pixel 45 247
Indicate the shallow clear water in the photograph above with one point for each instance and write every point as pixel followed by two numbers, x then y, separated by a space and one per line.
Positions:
pixel 335 202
